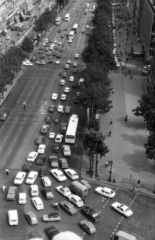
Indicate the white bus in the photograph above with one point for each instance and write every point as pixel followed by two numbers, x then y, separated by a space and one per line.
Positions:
pixel 72 129
pixel 67 17
pixel 71 35
pixel 58 21
pixel 75 27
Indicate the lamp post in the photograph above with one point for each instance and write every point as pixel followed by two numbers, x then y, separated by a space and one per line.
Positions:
pixel 110 172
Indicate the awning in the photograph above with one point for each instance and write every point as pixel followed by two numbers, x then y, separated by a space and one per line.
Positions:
pixel 22 14
pixel 17 19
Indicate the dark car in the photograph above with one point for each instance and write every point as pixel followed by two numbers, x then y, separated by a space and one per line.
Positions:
pixel 48 119
pixel 68 207
pixel 33 58
pixel 62 35
pixel 60 49
pixel 63 128
pixel 51 232
pixel 56 47
pixel 57 120
pixel 50 60
pixel 74 85
pixel 34 235
pixel 11 194
pixel 42 56
pixel 47 193
pixel 76 99
pixel 144 73
pixel 59 31
pixel 27 167
pixel 75 70
pixel 58 55
pixel 67 109
pixel 51 108
pixel 42 171
pixel 56 148
pixel 39 140
pixel 90 213
pixel 40 51
pixel 64 75
pixel 40 160
pixel 63 163
pixel 53 160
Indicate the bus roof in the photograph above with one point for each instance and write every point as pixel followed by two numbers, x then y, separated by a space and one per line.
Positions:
pixel 125 235
pixel 72 126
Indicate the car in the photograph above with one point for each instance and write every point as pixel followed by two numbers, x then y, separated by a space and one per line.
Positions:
pixel 70 40
pixel 74 64
pixel 63 97
pixel 75 70
pixel 40 51
pixel 59 31
pixel 60 49
pixel 87 226
pixel 38 203
pixel 41 62
pixel 68 61
pixel 51 135
pixel 47 193
pixel 61 108
pixel 90 213
pixel 34 235
pixel 53 161
pixel 11 194
pixel 51 232
pixel 54 96
pixel 56 148
pixel 58 138
pixel 106 192
pixel 76 99
pixel 42 57
pixel 22 198
pixel 87 26
pixel 68 207
pixel 76 55
pixel 66 89
pixel 46 49
pixel 57 61
pixel 63 163
pixel 51 217
pixel 66 66
pixel 48 119
pixel 13 217
pixel 57 120
pixel 85 183
pixel 46 181
pixel 41 148
pixel 32 156
pixel 8 37
pixel 63 127
pixel 65 191
pixel 3 116
pixel 56 47
pixel 74 85
pixel 76 200
pixel 59 43
pixel 42 171
pixel 19 178
pixel 53 44
pixel 122 208
pixel 27 167
pixel 66 150
pixel 67 109
pixel 31 177
pixel 33 58
pixel 46 40
pixel 62 35
pixel 26 63
pixel 144 73
pixel 39 140
pixel 64 75
pixel 62 82
pixel 44 129
pixel 71 174
pixel 71 79
pixel 34 190
pixel 31 218
pixel 50 59
pixel 40 160
pixel 58 55
pixel 51 108
pixel 58 174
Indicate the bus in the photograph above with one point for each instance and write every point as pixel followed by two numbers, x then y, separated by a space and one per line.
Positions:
pixel 67 17
pixel 58 21
pixel 75 27
pixel 71 35
pixel 72 129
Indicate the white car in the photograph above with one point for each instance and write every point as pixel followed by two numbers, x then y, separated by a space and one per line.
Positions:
pixel 66 66
pixel 34 190
pixel 8 37
pixel 41 148
pixel 52 135
pixel 19 178
pixel 58 174
pixel 69 61
pixel 22 198
pixel 106 192
pixel 76 55
pixel 74 64
pixel 52 45
pixel 59 43
pixel 38 203
pixel 27 63
pixel 63 97
pixel 46 181
pixel 67 90
pixel 62 82
pixel 81 80
pixel 76 200
pixel 60 108
pixel 70 40
pixel 57 61
pixel 65 191
pixel 32 156
pixel 87 26
pixel 54 96
pixel 43 44
pixel 13 217
pixel 59 138
pixel 66 150
pixel 31 177
pixel 55 41
pixel 71 174
pixel 123 209
pixel 46 40
pixel 71 79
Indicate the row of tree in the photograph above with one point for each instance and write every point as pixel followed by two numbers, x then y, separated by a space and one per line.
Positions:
pixel 96 89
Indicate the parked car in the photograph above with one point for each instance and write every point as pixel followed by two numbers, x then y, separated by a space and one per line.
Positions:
pixel 46 181
pixel 19 178
pixel 32 156
pixel 13 217
pixel 63 163
pixel 39 140
pixel 11 194
pixel 31 218
pixel 42 171
pixel 58 174
pixel 71 174
pixel 106 192
pixel 76 200
pixel 51 232
pixel 122 208
pixel 85 183
pixel 27 167
pixel 52 217
pixel 38 203
pixel 53 161
pixel 40 160
pixel 90 213
pixel 65 191
pixel 47 193
pixel 68 207
pixel 22 198
pixel 66 150
pixel 34 190
pixel 31 177
pixel 87 226
pixel 51 108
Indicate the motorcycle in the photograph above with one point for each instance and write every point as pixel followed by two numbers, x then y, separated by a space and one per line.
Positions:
pixel 55 205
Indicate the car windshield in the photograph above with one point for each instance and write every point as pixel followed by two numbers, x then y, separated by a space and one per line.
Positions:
pixel 30 157
pixel 95 214
pixel 74 174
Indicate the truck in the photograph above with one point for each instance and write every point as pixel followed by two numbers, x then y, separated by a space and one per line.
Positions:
pixel 79 189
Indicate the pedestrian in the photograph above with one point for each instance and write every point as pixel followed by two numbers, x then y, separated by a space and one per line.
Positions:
pixel 111 121
pixel 106 164
pixel 126 118
pixel 138 183
pixel 113 90
pixel 3 188
pixel 7 171
pixel 114 180
pixel 109 133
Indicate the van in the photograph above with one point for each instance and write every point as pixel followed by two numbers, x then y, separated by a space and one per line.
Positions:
pixel 79 189
pixel 13 217
pixel 121 235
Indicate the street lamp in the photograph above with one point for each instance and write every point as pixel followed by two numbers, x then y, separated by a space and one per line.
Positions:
pixel 110 172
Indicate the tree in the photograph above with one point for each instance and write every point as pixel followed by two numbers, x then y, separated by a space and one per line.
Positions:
pixel 27 45
pixel 93 124
pixel 150 146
